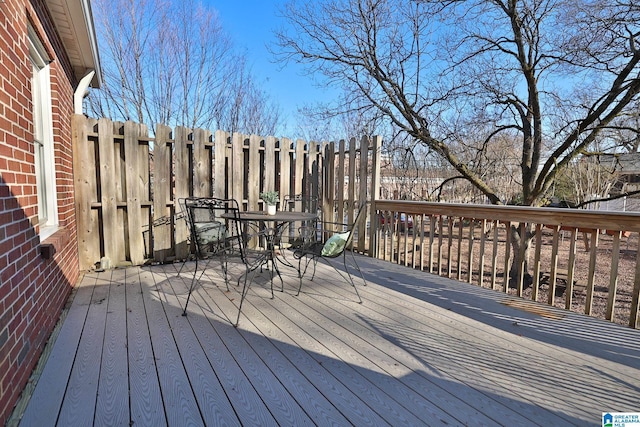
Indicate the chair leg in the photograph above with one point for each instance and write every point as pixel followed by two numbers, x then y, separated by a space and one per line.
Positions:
pixel 350 280
pixel 274 268
pixel 247 285
pixel 356 266
pixel 182 266
pixel 193 281
pixel 301 273
pixel 245 289
pixel 224 266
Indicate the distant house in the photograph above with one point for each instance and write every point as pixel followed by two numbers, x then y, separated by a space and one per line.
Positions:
pixel 626 169
pixel 48 57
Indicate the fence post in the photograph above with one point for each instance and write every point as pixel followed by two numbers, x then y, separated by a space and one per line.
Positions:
pixel 299 171
pixel 270 165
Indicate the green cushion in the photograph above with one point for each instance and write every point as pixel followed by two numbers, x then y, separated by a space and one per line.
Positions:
pixel 335 244
pixel 210 232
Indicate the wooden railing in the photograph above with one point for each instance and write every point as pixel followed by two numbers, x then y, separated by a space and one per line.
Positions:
pixel 600 276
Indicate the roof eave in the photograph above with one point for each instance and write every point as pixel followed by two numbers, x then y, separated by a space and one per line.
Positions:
pixel 74 22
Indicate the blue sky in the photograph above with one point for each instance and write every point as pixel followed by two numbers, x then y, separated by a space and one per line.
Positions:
pixel 251 23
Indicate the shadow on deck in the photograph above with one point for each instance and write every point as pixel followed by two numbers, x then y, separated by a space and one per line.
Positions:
pixel 420 350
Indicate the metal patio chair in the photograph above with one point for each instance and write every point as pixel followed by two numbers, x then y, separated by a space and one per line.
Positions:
pixel 217 232
pixel 298 203
pixel 212 235
pixel 329 241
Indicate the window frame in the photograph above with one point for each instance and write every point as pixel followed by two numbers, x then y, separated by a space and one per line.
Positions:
pixel 43 146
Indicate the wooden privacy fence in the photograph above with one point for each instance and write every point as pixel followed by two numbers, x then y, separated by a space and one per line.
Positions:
pixel 580 260
pixel 128 183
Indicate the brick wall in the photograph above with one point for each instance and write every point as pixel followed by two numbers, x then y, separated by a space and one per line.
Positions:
pixel 33 289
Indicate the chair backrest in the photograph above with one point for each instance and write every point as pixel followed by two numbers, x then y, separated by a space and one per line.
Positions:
pixel 340 241
pixel 352 227
pixel 300 203
pixel 211 223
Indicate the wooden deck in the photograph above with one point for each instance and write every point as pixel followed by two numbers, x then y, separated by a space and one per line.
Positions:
pixel 420 350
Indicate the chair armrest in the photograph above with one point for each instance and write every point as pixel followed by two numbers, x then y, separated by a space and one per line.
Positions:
pixel 323 223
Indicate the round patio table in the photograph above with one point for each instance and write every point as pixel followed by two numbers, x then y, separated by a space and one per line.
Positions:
pixel 281 220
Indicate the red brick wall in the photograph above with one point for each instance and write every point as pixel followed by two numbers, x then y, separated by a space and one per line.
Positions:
pixel 33 290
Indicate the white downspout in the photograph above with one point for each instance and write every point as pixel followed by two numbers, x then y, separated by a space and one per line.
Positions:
pixel 82 91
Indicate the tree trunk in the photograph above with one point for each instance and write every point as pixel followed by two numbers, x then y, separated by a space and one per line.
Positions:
pixel 521 236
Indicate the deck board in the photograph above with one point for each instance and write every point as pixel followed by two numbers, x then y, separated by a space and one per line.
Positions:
pixel 146 401
pixel 277 401
pixel 420 350
pixel 380 390
pixel 177 395
pixel 351 393
pixel 207 390
pixel 55 376
pixel 78 405
pixel 112 404
pixel 409 379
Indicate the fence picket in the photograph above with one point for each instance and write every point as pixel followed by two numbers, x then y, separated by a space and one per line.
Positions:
pixel 220 164
pixel 133 192
pixel 88 245
pixel 162 213
pixel 270 161
pixel 350 198
pixel 340 181
pixel 285 167
pixel 238 168
pixel 201 163
pixel 181 166
pixel 254 173
pixel 128 184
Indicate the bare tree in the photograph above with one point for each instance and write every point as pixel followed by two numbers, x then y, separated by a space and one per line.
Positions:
pixel 551 74
pixel 426 65
pixel 172 63
pixel 249 110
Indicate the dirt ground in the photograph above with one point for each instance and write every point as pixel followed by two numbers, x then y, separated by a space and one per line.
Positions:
pixel 460 249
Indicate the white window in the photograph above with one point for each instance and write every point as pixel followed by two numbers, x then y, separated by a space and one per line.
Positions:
pixel 43 137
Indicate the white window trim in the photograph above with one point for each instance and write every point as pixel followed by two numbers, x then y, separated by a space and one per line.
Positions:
pixel 40 59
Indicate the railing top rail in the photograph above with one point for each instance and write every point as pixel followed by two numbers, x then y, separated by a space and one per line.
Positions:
pixel 564 217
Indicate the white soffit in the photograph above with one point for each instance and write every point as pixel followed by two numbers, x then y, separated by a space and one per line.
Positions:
pixel 74 21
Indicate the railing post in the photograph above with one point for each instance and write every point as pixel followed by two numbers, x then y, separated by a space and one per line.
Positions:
pixel 588 304
pixel 634 320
